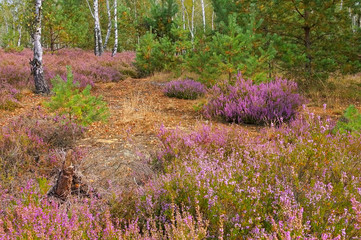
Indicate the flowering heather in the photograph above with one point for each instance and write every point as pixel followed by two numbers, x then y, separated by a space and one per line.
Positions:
pixel 30 144
pixel 294 182
pixel 9 97
pixel 297 181
pixel 33 216
pixel 185 89
pixel 88 69
pixel 245 102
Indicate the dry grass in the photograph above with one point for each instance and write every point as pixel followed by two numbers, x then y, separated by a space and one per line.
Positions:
pixel 338 93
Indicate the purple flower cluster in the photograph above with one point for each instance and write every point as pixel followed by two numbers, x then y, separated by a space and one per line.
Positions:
pixel 245 102
pixel 184 89
pixel 87 68
pixel 296 181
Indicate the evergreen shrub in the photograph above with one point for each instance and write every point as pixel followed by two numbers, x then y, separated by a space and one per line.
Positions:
pixel 77 104
pixel 350 121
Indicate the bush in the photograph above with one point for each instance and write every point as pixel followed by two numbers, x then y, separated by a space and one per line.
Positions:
pixel 239 49
pixel 29 144
pixel 350 121
pixel 79 106
pixel 9 97
pixel 266 103
pixel 302 184
pixel 155 55
pixel 185 89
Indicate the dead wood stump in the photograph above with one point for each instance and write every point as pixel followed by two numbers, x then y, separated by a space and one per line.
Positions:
pixel 69 181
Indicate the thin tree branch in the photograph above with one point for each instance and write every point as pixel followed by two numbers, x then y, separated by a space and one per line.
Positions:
pixel 91 12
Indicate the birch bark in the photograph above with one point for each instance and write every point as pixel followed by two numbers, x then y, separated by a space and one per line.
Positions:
pixel 183 16
pixel 98 46
pixel 192 27
pixel 36 64
pixel 115 48
pixel 109 26
pixel 97 31
pixel 203 15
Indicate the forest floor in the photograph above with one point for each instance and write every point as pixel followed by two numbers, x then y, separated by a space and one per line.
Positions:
pixel 120 150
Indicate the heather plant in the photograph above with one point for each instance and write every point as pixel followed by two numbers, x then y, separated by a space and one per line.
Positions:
pixel 32 215
pixel 293 182
pixel 9 97
pixel 29 145
pixel 87 68
pixel 79 105
pixel 350 121
pixel 184 89
pixel 245 102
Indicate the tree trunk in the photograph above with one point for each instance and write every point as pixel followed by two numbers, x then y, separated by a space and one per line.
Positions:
pixel 203 15
pixel 213 21
pixel 36 64
pixel 192 27
pixel 183 16
pixel 97 31
pixel 308 65
pixel 109 26
pixel 19 39
pixel 115 48
pixel 307 40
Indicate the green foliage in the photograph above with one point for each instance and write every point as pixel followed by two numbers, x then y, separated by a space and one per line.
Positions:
pixel 161 17
pixel 155 55
pixel 78 104
pixel 350 121
pixel 241 49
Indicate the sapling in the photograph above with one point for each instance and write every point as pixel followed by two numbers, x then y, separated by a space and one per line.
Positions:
pixel 79 105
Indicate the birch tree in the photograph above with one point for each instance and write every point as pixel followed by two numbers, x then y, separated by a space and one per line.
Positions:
pixel 183 15
pixel 98 48
pixel 109 26
pixel 115 48
pixel 36 64
pixel 203 15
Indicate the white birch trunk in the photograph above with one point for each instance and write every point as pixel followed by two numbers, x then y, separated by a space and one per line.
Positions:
pixel 183 16
pixel 109 26
pixel 115 48
pixel 203 15
pixel 37 63
pixel 19 39
pixel 213 21
pixel 97 31
pixel 192 27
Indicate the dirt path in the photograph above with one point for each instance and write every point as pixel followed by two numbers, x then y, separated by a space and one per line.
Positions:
pixel 119 149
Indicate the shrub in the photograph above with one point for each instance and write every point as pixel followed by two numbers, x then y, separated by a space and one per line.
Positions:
pixel 9 97
pixel 239 49
pixel 79 105
pixel 29 143
pixel 31 215
pixel 302 184
pixel 350 121
pixel 185 89
pixel 155 55
pixel 272 102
